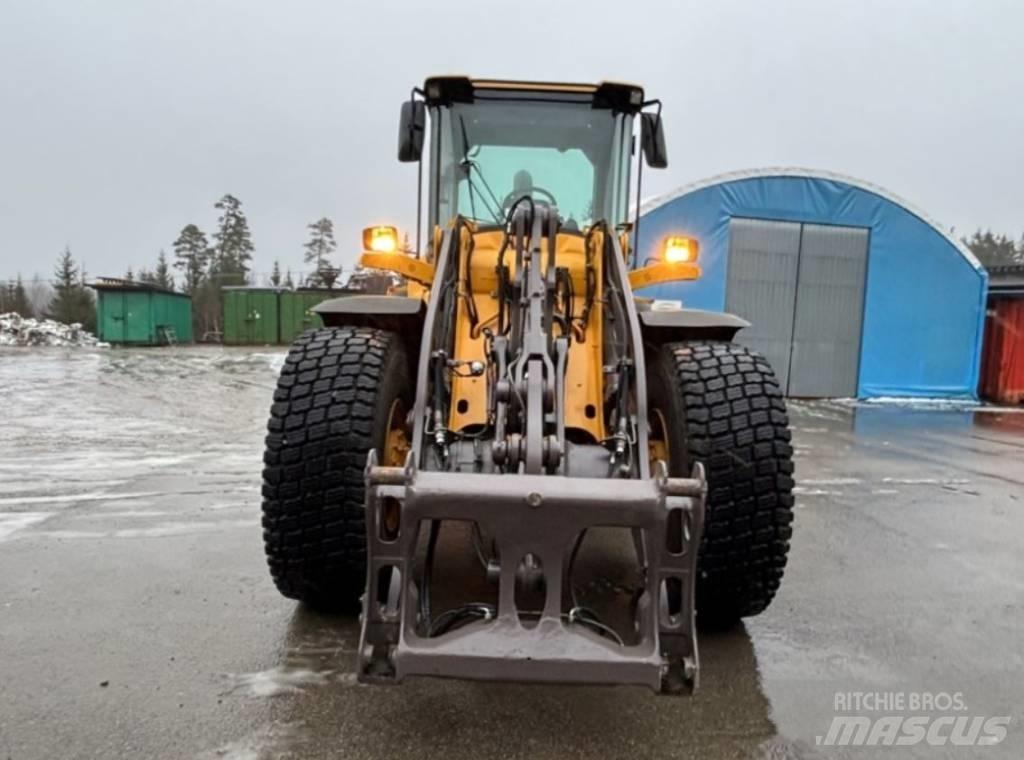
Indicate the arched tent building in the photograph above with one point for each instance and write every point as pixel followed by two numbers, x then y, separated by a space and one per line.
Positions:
pixel 849 289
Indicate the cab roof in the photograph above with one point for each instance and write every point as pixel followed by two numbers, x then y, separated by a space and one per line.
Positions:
pixel 617 96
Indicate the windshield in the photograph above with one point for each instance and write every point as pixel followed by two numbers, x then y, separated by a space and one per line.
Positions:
pixel 490 153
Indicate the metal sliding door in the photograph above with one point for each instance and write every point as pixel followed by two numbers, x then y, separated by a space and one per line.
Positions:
pixel 763 261
pixel 802 288
pixel 829 312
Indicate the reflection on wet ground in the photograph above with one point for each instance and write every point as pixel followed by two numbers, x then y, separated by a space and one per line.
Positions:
pixel 137 619
pixel 427 718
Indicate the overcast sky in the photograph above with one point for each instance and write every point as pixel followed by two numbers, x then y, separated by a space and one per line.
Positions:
pixel 122 121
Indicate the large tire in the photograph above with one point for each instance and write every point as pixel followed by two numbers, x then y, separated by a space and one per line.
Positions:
pixel 721 405
pixel 332 405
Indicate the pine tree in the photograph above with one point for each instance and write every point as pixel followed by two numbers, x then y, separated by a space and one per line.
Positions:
pixel 162 277
pixel 192 254
pixel 232 241
pixel 145 277
pixel 319 246
pixel 71 302
pixel 275 275
pixel 994 250
pixel 288 283
pixel 19 299
pixel 129 275
pixel 65 282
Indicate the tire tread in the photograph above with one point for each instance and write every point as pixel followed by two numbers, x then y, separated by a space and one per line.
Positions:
pixel 321 428
pixel 736 424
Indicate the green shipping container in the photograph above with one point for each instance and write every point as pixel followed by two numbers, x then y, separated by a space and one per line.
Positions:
pixel 139 314
pixel 297 314
pixel 251 316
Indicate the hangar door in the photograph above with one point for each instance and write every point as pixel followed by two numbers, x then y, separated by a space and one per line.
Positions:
pixel 801 286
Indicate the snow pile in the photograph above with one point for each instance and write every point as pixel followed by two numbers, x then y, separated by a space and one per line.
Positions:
pixel 16 330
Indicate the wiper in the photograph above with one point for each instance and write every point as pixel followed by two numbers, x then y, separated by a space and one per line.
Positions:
pixel 467 165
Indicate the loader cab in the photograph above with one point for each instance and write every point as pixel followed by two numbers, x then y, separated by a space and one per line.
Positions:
pixel 493 142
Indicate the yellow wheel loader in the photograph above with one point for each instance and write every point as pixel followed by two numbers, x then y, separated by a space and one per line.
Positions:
pixel 519 396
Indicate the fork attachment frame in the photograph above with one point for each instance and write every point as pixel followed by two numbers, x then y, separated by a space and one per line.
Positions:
pixel 542 516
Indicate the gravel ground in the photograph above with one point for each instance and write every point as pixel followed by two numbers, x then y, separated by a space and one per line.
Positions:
pixel 137 619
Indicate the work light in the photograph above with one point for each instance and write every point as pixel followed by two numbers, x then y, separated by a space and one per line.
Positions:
pixel 680 250
pixel 383 239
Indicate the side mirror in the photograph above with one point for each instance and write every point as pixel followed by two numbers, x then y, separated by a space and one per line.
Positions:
pixel 652 140
pixel 412 127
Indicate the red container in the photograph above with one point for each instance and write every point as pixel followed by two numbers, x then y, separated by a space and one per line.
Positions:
pixel 1002 366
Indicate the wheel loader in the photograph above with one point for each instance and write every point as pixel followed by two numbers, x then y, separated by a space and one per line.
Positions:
pixel 519 396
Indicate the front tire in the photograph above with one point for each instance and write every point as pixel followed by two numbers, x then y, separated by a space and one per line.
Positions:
pixel 720 404
pixel 336 399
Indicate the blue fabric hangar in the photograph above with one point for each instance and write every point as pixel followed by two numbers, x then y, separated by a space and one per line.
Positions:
pixel 849 289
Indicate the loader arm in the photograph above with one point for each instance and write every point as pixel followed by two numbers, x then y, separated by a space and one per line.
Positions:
pixel 497 442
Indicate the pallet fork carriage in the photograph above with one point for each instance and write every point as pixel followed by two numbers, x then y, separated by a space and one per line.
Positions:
pixel 665 656
pixel 519 387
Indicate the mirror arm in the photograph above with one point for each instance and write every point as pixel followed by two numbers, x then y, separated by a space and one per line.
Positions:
pixel 419 179
pixel 639 179
pixel 657 112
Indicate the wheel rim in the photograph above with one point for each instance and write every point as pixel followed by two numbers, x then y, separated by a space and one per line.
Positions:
pixel 657 439
pixel 396 448
pixel 396 440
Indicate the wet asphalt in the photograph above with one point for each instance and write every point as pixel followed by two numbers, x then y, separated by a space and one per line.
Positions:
pixel 137 619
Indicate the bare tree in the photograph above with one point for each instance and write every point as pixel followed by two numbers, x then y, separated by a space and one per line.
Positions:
pixel 39 295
